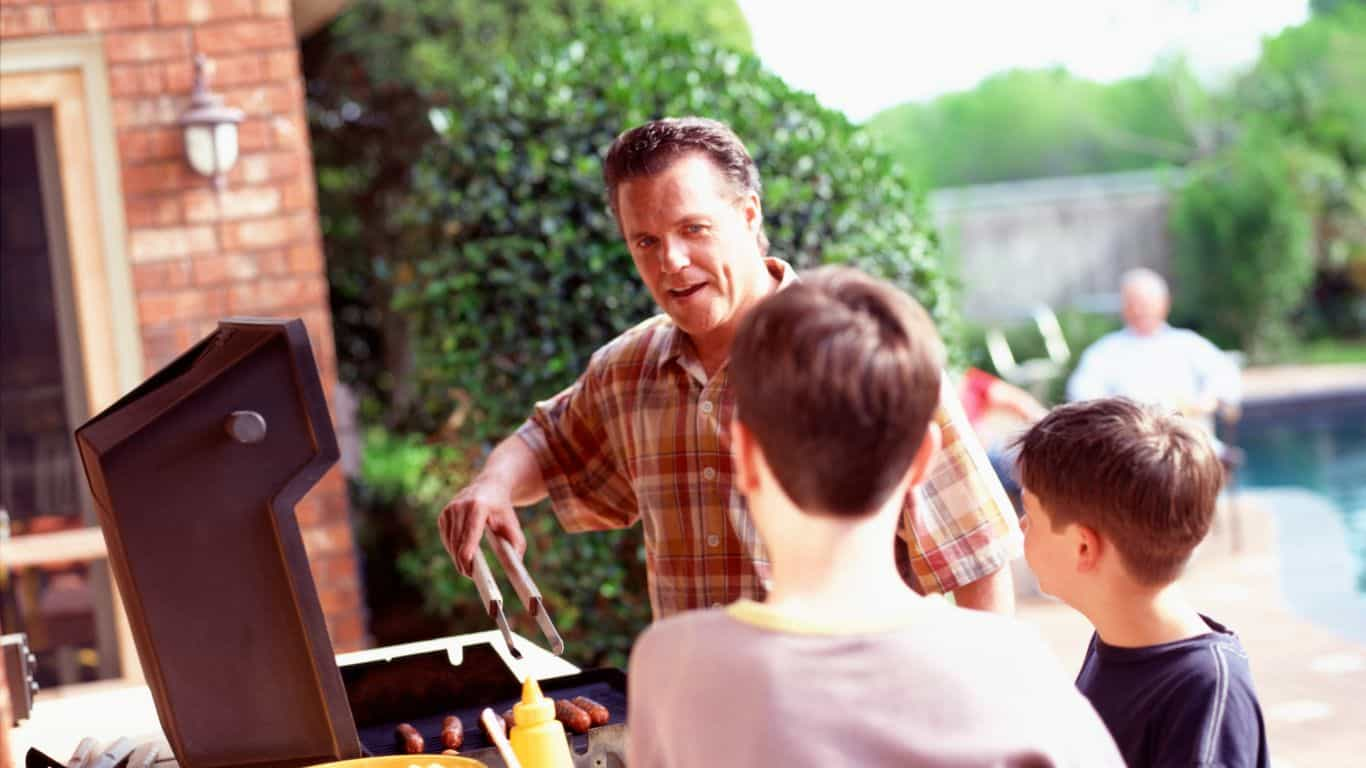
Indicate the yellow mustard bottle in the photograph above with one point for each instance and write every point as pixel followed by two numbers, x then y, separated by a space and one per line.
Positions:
pixel 538 739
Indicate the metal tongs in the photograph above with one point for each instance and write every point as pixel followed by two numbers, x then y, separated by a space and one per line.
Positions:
pixel 526 589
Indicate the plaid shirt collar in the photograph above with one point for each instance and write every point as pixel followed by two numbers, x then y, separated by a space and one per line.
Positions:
pixel 676 343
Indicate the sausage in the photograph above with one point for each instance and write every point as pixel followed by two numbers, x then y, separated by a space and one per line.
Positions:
pixel 596 712
pixel 452 732
pixel 508 719
pixel 409 738
pixel 575 719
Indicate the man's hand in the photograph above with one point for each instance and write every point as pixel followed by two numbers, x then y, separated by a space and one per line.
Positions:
pixel 480 504
pixel 510 478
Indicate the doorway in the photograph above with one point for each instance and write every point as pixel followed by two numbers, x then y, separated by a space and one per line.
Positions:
pixel 54 580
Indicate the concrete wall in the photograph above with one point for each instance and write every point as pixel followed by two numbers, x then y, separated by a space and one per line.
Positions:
pixel 1063 241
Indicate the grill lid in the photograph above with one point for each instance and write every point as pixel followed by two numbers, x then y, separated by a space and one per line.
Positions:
pixel 195 475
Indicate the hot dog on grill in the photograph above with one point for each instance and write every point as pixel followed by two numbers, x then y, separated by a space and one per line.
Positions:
pixel 409 738
pixel 596 712
pixel 508 719
pixel 452 732
pixel 574 718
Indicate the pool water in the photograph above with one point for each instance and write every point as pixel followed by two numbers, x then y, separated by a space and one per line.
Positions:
pixel 1313 452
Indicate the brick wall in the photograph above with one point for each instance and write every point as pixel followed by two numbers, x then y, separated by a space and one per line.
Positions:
pixel 198 255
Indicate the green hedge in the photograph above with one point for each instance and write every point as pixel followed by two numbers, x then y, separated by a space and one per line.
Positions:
pixel 476 262
pixel 523 272
pixel 1243 254
pixel 1309 89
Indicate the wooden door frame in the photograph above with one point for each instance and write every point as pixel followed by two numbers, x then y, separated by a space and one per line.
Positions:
pixel 66 76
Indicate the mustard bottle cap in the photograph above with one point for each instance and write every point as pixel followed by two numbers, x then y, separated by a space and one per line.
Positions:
pixel 534 708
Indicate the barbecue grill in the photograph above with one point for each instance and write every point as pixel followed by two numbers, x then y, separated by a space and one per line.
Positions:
pixel 383 694
pixel 195 475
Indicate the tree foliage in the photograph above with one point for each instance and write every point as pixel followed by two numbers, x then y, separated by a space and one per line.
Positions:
pixel 1037 123
pixel 523 272
pixel 1310 85
pixel 1273 228
pixel 1309 89
pixel 373 76
pixel 1243 257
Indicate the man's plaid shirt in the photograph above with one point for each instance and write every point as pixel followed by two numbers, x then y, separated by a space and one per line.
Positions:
pixel 645 435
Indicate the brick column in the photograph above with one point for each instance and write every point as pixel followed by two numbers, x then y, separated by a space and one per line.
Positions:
pixel 199 255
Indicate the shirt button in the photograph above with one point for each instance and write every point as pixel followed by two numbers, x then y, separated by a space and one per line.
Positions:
pixel 706 406
pixel 709 473
pixel 713 540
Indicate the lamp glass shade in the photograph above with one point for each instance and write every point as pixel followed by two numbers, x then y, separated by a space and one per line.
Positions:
pixel 199 148
pixel 225 146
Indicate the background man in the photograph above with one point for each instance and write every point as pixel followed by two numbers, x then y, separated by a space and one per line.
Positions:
pixel 1154 363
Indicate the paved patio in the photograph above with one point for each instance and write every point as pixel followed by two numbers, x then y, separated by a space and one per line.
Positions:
pixel 1288 380
pixel 1311 681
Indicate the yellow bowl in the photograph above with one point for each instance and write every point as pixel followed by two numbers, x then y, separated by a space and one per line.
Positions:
pixel 406 761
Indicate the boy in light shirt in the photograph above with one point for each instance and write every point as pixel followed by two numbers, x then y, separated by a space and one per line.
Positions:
pixel 836 380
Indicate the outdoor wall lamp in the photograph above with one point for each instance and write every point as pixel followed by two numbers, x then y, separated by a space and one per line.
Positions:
pixel 210 128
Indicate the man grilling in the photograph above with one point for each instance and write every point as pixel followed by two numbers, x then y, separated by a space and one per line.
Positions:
pixel 644 433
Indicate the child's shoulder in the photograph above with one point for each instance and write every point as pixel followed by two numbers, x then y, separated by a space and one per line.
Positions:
pixel 1215 662
pixel 1210 664
pixel 670 637
pixel 1207 656
pixel 1181 703
pixel 1210 713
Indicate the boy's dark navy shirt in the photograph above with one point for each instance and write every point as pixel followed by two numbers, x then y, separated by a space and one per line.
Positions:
pixel 1187 703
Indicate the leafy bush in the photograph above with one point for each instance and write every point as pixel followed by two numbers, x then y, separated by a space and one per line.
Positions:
pixel 1242 252
pixel 1307 87
pixel 523 272
pixel 482 267
pixel 373 76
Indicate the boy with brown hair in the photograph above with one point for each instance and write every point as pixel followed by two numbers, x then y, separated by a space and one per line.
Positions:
pixel 836 379
pixel 1117 496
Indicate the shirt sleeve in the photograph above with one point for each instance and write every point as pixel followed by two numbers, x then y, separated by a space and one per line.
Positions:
pixel 1218 374
pixel 959 525
pixel 1214 722
pixel 571 441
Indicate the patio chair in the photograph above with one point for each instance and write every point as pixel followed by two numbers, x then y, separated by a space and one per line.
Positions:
pixel 1034 374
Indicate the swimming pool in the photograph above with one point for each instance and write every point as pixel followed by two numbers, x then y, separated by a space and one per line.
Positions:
pixel 1312 452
